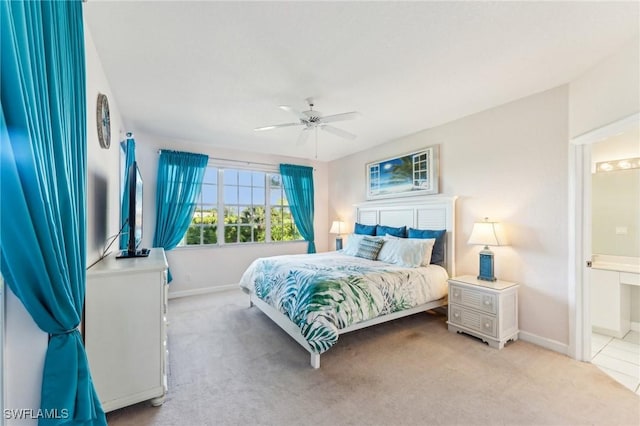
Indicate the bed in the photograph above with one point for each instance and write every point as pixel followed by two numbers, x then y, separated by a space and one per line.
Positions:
pixel 315 298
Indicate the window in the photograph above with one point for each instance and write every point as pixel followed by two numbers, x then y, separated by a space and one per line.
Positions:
pixel 244 206
pixel 283 227
pixel 232 209
pixel 204 224
pixel 374 177
pixel 421 169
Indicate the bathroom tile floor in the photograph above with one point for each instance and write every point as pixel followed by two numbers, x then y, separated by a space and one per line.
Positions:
pixel 619 358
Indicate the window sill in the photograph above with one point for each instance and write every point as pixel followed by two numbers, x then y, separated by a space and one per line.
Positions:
pixel 236 245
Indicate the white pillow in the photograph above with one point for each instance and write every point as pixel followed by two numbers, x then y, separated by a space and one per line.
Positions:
pixel 353 242
pixel 401 251
pixel 428 244
pixel 410 252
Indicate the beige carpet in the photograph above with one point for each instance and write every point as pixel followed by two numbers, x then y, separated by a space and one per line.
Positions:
pixel 230 365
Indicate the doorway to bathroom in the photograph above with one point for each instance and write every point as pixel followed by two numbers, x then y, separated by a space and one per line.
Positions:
pixel 607 249
pixel 615 269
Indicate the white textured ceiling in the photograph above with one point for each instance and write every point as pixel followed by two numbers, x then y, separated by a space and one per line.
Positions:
pixel 209 72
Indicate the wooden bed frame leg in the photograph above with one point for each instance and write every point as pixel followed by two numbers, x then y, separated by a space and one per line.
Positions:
pixel 315 360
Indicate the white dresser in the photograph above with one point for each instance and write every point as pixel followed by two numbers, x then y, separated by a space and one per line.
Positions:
pixel 484 309
pixel 125 329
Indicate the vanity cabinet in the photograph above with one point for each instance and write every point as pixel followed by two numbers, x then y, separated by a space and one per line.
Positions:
pixel 611 302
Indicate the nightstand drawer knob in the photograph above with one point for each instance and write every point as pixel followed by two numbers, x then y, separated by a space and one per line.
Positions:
pixel 456 294
pixel 487 302
pixel 457 315
pixel 487 325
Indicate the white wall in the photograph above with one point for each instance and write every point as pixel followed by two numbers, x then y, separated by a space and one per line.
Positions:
pixel 25 343
pixel 198 269
pixel 607 92
pixel 103 165
pixel 510 164
pixel 25 348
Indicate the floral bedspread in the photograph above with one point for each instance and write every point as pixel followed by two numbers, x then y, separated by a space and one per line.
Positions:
pixel 325 292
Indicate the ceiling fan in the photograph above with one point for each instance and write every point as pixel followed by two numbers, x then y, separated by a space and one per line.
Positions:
pixel 311 119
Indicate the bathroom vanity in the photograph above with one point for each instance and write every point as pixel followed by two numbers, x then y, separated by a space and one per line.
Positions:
pixel 612 278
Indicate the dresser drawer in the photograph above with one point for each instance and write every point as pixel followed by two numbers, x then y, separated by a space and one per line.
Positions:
pixel 475 321
pixel 476 299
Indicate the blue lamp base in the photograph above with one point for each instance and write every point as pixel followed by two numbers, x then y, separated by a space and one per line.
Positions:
pixel 339 243
pixel 486 265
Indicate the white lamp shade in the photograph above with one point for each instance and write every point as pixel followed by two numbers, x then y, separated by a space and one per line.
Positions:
pixel 338 227
pixel 487 234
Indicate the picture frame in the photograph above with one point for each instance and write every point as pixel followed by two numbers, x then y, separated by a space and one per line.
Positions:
pixel 410 174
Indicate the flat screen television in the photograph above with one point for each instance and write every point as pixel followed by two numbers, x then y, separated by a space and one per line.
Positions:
pixel 134 238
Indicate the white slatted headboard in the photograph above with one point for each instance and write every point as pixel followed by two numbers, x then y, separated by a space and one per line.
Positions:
pixel 430 212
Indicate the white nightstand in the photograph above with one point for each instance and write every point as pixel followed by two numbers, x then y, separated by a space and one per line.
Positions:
pixel 485 309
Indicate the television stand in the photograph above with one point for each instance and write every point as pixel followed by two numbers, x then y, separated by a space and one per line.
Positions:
pixel 125 329
pixel 126 254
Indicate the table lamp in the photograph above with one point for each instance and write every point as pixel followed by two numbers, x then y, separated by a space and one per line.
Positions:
pixel 338 227
pixel 487 234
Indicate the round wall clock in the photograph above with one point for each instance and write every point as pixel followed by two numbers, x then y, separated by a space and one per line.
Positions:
pixel 103 121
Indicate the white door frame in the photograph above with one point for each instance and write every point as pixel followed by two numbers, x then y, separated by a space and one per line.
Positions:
pixel 580 233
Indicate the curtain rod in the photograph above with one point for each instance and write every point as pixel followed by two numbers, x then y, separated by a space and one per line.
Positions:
pixel 244 162
pixel 237 161
pixel 248 163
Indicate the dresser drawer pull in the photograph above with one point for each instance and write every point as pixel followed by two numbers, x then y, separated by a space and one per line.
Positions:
pixel 456 315
pixel 487 302
pixel 487 325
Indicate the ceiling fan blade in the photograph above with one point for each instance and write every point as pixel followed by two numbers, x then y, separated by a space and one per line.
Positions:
pixel 293 111
pixel 275 126
pixel 304 135
pixel 341 117
pixel 338 132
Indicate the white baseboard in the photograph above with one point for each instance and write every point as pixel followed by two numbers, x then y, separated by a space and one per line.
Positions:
pixel 552 345
pixel 618 334
pixel 202 290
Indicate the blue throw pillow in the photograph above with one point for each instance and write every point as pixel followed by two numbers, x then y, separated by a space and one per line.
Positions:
pixel 437 255
pixel 365 229
pixel 390 230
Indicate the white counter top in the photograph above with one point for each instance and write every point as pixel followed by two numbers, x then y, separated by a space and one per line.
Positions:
pixel 616 263
pixel 156 261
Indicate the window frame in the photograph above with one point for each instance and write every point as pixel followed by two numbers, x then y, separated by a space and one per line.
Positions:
pixel 220 206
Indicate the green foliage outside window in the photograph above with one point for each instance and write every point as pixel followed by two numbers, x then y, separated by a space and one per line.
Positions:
pixel 203 224
pixel 244 224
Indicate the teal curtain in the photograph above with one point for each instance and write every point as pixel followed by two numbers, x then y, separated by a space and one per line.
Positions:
pixel 179 183
pixel 42 192
pixel 298 186
pixel 129 147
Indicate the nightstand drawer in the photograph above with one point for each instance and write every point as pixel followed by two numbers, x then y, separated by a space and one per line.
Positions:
pixel 484 324
pixel 477 299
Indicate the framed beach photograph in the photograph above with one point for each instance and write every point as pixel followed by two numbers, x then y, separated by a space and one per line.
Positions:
pixel 415 173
